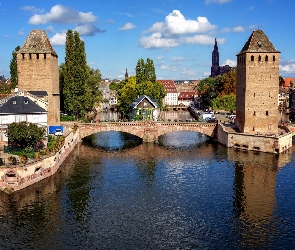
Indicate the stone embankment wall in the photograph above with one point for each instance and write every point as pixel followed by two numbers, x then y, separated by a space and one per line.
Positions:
pixel 261 143
pixel 17 177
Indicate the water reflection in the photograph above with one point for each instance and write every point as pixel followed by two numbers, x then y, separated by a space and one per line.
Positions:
pixel 152 196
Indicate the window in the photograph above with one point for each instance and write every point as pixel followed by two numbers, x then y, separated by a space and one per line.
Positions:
pixel 259 58
pixel 266 58
pixel 252 58
pixel 273 58
pixel 44 56
pixel 30 56
pixel 23 56
pixel 266 113
pixel 269 126
pixel 254 113
pixel 37 56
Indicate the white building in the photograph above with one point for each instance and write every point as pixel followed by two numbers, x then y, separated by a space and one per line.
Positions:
pixel 171 98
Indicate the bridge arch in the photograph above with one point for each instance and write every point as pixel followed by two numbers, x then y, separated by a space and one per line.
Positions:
pixel 147 131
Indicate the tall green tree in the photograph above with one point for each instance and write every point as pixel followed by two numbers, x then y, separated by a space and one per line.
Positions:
pixel 13 68
pixel 140 71
pixel 93 85
pixel 77 99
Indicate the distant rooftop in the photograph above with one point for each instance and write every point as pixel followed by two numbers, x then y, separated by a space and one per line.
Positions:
pixel 37 42
pixel 258 42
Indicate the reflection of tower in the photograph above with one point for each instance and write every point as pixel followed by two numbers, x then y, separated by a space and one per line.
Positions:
pixel 126 74
pixel 37 66
pixel 254 196
pixel 215 69
pixel 257 86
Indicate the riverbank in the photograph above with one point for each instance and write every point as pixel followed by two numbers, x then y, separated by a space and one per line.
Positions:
pixel 16 177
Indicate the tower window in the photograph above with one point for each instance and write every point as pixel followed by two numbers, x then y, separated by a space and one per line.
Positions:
pixel 273 58
pixel 37 56
pixel 254 94
pixel 44 56
pixel 259 58
pixel 23 56
pixel 254 113
pixel 266 113
pixel 30 56
pixel 252 58
pixel 266 58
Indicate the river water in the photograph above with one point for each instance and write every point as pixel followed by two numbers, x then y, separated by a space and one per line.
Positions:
pixel 182 192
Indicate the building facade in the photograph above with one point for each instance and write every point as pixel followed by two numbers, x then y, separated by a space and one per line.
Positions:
pixel 37 66
pixel 171 98
pixel 257 66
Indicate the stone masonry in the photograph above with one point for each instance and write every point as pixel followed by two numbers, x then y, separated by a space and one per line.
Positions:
pixel 257 86
pixel 37 65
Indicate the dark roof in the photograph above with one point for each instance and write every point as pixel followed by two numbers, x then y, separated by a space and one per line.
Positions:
pixel 20 105
pixel 258 42
pixel 38 93
pixel 141 98
pixel 37 42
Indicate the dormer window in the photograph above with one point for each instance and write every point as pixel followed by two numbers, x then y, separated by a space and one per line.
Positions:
pixel 13 102
pixel 26 102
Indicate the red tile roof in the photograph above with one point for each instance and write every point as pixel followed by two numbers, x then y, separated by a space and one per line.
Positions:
pixel 169 86
pixel 287 82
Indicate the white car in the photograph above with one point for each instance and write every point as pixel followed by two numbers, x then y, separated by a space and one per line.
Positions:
pixel 58 132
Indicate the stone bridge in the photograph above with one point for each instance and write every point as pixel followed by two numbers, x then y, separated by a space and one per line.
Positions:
pixel 148 131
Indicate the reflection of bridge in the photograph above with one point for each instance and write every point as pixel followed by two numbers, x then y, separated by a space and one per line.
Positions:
pixel 148 131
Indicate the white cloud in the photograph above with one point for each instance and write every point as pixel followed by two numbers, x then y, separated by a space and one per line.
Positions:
pixel 88 29
pixel 178 58
pixel 164 67
pixel 157 41
pixel 127 26
pixel 175 31
pixel 176 24
pixel 59 39
pixel 50 29
pixel 187 73
pixel 229 62
pixel 21 32
pixel 217 1
pixel 63 14
pixel 32 9
pixel 237 29
pixel 287 68
pixel 159 57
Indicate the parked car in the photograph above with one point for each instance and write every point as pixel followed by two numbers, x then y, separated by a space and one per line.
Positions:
pixel 58 132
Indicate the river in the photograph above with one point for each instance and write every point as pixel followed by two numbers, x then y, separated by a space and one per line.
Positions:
pixel 182 192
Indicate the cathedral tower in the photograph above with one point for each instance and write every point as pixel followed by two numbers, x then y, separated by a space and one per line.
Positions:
pixel 215 61
pixel 257 86
pixel 37 66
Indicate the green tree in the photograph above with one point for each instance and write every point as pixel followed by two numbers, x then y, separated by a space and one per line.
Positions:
pixel 77 99
pixel 25 134
pixel 93 85
pixel 140 71
pixel 13 69
pixel 126 95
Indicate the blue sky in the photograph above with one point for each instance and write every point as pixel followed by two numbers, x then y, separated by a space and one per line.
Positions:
pixel 178 35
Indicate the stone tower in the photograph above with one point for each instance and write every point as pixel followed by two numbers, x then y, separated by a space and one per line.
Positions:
pixel 37 66
pixel 257 86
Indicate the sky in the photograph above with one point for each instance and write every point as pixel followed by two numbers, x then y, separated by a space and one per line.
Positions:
pixel 178 35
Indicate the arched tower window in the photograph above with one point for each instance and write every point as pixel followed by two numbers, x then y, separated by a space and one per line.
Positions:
pixel 30 56
pixel 273 58
pixel 44 56
pixel 37 56
pixel 266 58
pixel 252 58
pixel 259 58
pixel 23 56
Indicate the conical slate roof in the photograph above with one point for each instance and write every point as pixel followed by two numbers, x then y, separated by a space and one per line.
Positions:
pixel 258 42
pixel 37 42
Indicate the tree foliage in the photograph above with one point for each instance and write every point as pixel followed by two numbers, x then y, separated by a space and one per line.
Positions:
pixel 216 92
pixel 144 83
pixel 79 84
pixel 13 69
pixel 24 134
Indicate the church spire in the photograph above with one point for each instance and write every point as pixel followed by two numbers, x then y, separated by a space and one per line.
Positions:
pixel 126 74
